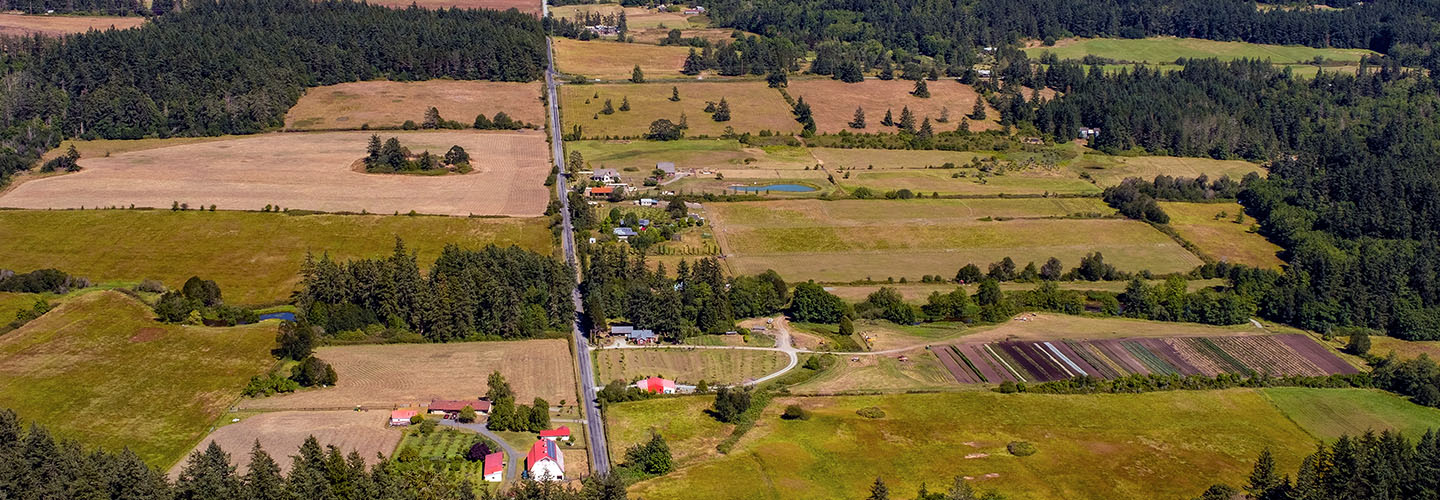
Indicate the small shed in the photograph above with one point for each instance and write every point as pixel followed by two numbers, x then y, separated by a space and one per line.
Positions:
pixel 647 202
pixel 402 417
pixel 495 467
pixel 561 434
pixel 624 233
pixel 666 166
pixel 621 330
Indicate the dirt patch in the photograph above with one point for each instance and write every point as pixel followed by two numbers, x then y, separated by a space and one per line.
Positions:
pixel 27 25
pixel 833 103
pixel 386 104
pixel 281 433
pixel 148 334
pixel 305 171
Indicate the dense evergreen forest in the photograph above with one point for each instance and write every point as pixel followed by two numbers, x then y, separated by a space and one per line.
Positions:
pixel 492 292
pixel 236 67
pixel 1370 466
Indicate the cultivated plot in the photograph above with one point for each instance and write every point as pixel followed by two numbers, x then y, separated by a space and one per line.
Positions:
pixel 254 257
pixel 282 432
pixel 389 376
pixel 609 60
pixel 1165 50
pixel 1223 231
pixel 1352 412
pixel 306 171
pixel 99 368
pixel 833 103
pixel 722 366
pixel 1110 170
pixel 27 25
pixel 753 107
pixel 386 104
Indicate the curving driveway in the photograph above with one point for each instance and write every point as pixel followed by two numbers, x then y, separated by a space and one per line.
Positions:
pixel 512 457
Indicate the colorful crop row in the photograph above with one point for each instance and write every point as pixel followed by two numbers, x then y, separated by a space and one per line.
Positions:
pixel 1029 361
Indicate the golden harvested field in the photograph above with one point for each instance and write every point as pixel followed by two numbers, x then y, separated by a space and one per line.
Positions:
pixel 846 240
pixel 723 366
pixel 1383 346
pixel 305 171
pixel 391 376
pixel 1220 236
pixel 654 35
pixel 282 432
pixel 54 25
pixel 834 103
pixel 635 17
pixel 99 369
pixel 753 107
pixel 254 257
pixel 920 371
pixel 1034 181
pixel 386 104
pixel 528 6
pixel 610 60
pixel 1110 170
pixel 726 155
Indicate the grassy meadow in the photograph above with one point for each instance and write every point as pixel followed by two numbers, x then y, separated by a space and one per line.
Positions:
pixel 1168 49
pixel 1352 411
pixel 14 302
pixel 921 371
pixel 98 368
pixel 690 438
pixel 833 103
pixel 255 257
pixel 753 107
pixel 723 366
pixel 1221 237
pixel 387 104
pixel 1382 346
pixel 1108 170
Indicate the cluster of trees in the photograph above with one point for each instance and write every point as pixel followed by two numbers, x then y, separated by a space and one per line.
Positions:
pixel 500 292
pixel 697 300
pixel 959 490
pixel 40 281
pixel 390 156
pixel 1418 378
pixel 295 340
pixel 199 302
pixel 501 121
pixel 731 403
pixel 1092 268
pixel 746 55
pixel 241 67
pixel 813 304
pixel 1136 198
pixel 36 465
pixel 1371 466
pixel 505 415
pixel 651 458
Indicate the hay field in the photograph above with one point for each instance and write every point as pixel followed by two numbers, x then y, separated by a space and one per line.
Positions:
pixel 635 17
pixel 282 432
pixel 753 107
pixel 1155 445
pixel 254 257
pixel 12 24
pixel 99 369
pixel 1382 346
pixel 610 60
pixel 654 35
pixel 691 439
pixel 833 103
pixel 1168 49
pixel 527 6
pixel 698 154
pixel 390 376
pixel 1222 238
pixel 1110 170
pixel 920 371
pixel 305 171
pixel 1035 181
pixel 1352 411
pixel 386 104
pixel 723 366
pixel 848 240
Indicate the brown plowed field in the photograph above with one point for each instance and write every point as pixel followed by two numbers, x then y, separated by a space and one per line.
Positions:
pixel 281 433
pixel 305 171
pixel 833 103
pixel 390 376
pixel 26 25
pixel 386 104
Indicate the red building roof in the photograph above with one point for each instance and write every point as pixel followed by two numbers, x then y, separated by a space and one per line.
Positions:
pixel 541 450
pixel 563 431
pixel 403 414
pixel 494 462
pixel 656 384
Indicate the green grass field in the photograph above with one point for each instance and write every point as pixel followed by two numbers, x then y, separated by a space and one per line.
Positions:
pixel 98 369
pixel 846 240
pixel 753 107
pixel 921 371
pixel 1110 170
pixel 724 366
pixel 1221 237
pixel 690 438
pixel 255 257
pixel 1352 411
pixel 1156 445
pixel 1168 49
pixel 967 181
pixel 11 303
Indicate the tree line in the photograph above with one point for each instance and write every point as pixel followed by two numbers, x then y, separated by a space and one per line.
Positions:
pixel 1369 466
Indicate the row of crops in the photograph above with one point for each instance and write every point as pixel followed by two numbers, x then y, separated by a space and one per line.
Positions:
pixel 1043 361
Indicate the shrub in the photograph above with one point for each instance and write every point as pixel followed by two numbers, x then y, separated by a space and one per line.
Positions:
pixel 312 372
pixel 1008 387
pixel 467 414
pixel 795 412
pixel 870 412
pixel 1021 448
pixel 1359 344
pixel 477 451
pixel 269 385
pixel 150 286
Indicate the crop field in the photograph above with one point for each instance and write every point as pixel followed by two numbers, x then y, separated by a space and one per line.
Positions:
pixel 307 171
pixel 446 444
pixel 723 366
pixel 1140 446
pixel 528 6
pixel 833 103
pixel 1110 170
pixel 1221 237
pixel 1044 361
pixel 841 241
pixel 386 104
pixel 1168 49
pixel 254 257
pixel 28 25
pixel 654 35
pixel 610 60
pixel 390 376
pixel 282 432
pixel 98 367
pixel 635 17
pixel 1382 346
pixel 690 438
pixel 753 107
pixel 920 370
pixel 1053 326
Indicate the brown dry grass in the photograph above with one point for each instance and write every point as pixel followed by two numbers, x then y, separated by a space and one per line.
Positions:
pixel 1221 237
pixel 529 6
pixel 26 25
pixel 381 104
pixel 611 60
pixel 305 171
pixel 281 434
pixel 389 376
pixel 635 17
pixel 654 35
pixel 833 102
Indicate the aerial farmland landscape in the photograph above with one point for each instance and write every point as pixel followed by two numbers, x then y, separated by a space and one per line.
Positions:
pixel 719 249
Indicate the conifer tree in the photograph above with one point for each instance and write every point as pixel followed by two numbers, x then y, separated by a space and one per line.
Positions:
pixel 888 121
pixel 637 76
pixel 921 90
pixel 859 121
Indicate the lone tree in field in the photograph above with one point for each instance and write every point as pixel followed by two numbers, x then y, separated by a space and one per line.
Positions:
pixel 944 115
pixel 859 121
pixel 907 120
pixel 889 120
pixel 722 111
pixel 979 112
pixel 637 76
pixel 804 115
pixel 432 119
pixel 456 155
pixel 608 108
pixel 625 103
pixel 921 90
pixel 664 130
pixel 674 94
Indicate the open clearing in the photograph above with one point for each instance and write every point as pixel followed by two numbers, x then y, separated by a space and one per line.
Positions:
pixel 924 172
pixel 690 438
pixel 753 107
pixel 1168 49
pixel 98 368
pixel 609 60
pixel 1219 236
pixel 390 376
pixel 1382 346
pixel 833 103
pixel 386 104
pixel 1110 170
pixel 53 25
pixel 254 257
pixel 281 433
pixel 635 17
pixel 846 240
pixel 306 171
pixel 869 374
pixel 1156 445
pixel 723 366
pixel 528 6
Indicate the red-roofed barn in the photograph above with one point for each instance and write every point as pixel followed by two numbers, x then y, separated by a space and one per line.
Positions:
pixel 545 462
pixel 562 434
pixel 656 385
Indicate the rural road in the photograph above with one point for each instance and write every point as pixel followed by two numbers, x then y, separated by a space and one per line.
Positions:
pixel 512 457
pixel 594 424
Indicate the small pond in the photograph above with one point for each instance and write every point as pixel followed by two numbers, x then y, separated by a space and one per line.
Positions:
pixel 781 188
pixel 286 316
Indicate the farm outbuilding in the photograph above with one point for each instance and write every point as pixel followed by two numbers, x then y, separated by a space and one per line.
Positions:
pixel 641 337
pixel 656 385
pixel 402 417
pixel 495 467
pixel 452 408
pixel 561 434
pixel 666 166
pixel 606 175
pixel 545 462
